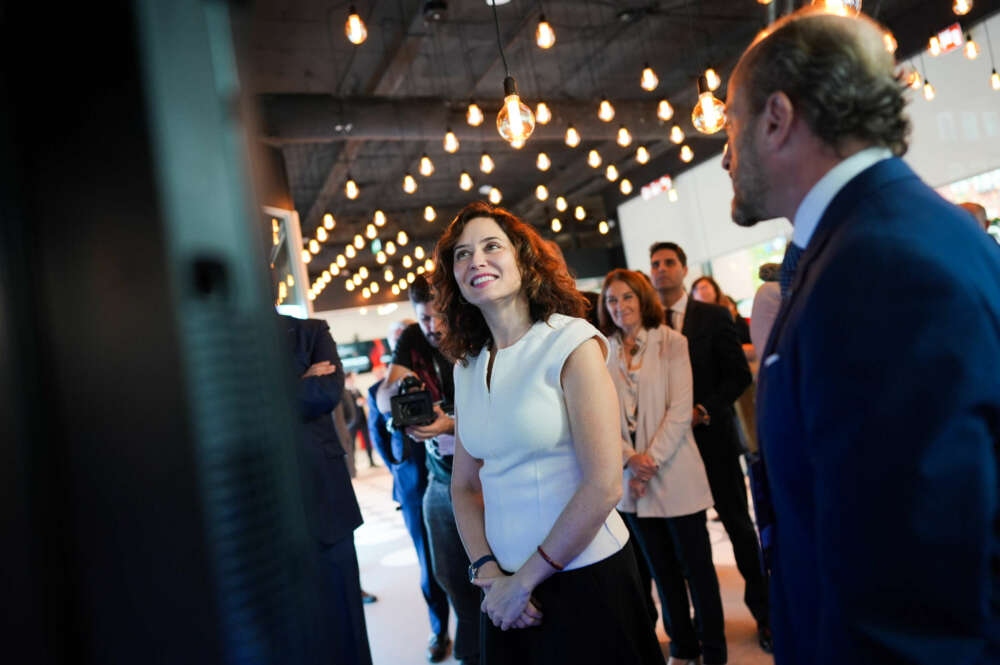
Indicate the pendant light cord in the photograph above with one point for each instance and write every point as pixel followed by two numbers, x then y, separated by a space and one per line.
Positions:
pixel 496 24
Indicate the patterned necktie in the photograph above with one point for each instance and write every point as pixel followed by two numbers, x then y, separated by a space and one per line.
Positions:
pixel 792 254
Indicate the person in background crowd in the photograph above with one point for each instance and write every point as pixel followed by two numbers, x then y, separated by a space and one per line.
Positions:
pixel 536 475
pixel 880 384
pixel 417 353
pixel 406 461
pixel 721 374
pixel 978 212
pixel 666 490
pixel 706 289
pixel 355 416
pixel 766 303
pixel 331 507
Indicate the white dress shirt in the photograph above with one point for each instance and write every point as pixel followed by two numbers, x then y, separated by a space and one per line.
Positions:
pixel 676 319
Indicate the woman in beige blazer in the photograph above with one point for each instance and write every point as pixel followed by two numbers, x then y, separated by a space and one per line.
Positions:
pixel 666 491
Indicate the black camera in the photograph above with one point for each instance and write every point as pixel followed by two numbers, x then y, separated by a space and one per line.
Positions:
pixel 413 405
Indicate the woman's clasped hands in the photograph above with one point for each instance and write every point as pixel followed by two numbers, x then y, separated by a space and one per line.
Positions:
pixel 508 603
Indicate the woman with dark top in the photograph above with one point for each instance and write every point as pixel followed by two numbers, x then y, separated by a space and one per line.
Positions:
pixel 536 468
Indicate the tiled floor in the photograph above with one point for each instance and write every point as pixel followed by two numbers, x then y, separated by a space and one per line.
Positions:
pixel 397 624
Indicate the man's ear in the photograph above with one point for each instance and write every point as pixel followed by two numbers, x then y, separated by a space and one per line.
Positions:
pixel 777 118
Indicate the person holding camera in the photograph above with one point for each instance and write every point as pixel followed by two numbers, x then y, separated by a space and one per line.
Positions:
pixel 419 393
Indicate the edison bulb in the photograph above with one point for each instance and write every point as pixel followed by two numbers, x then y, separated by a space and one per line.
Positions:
pixel 359 242
pixel 409 184
pixel 649 80
pixel 971 48
pixel 664 111
pixel 350 252
pixel 363 272
pixel 371 232
pixel 314 246
pixel 395 290
pixel 351 189
pixel 541 192
pixel 450 142
pixel 349 285
pixel 579 213
pixel 374 287
pixel 624 137
pixel 545 36
pixel 426 166
pixel 842 7
pixel 542 113
pixel 687 154
pixel 594 158
pixel 326 276
pixel 606 111
pixel 561 204
pixel 995 80
pixel 915 81
pixel 356 278
pixel 672 195
pixel 515 121
pixel 429 214
pixel 407 261
pixel 389 277
pixel 712 79
pixel 676 134
pixel 410 277
pixel 306 256
pixel 465 181
pixel 402 238
pixel 321 234
pixel 572 137
pixel 365 293
pixel 486 163
pixel 495 196
pixel 602 227
pixel 928 90
pixel 611 173
pixel 890 42
pixel 355 28
pixel 418 252
pixel 641 154
pixel 709 115
pixel 934 46
pixel 556 225
pixel 341 261
pixel 543 162
pixel 334 269
pixel 329 222
pixel 517 144
pixel 474 115
pixel 961 7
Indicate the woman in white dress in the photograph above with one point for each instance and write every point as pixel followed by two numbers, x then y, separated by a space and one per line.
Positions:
pixel 536 472
pixel 666 489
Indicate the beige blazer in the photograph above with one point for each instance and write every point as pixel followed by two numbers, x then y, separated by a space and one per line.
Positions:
pixel 663 427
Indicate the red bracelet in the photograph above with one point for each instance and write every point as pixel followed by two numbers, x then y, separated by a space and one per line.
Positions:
pixel 548 560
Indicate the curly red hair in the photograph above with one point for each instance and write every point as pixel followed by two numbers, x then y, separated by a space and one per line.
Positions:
pixel 545 281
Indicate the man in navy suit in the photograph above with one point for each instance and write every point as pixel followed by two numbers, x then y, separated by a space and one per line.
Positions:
pixel 879 395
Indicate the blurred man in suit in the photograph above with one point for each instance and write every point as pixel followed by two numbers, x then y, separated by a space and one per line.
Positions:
pixel 879 389
pixel 721 374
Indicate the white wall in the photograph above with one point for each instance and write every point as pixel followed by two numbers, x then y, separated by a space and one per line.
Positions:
pixel 364 323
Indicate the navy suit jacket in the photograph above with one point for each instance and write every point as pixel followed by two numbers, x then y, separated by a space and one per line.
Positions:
pixel 331 508
pixel 409 477
pixel 879 417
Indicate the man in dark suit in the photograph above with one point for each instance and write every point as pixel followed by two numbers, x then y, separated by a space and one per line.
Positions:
pixel 331 507
pixel 879 389
pixel 721 374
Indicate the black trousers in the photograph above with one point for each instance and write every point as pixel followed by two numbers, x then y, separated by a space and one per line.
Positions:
pixel 729 490
pixel 343 619
pixel 593 615
pixel 678 548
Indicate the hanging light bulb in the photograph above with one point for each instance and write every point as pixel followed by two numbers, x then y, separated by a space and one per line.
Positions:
pixel 594 158
pixel 365 293
pixel 389 277
pixel 402 238
pixel 374 287
pixel 359 242
pixel 515 121
pixel 543 162
pixel 995 80
pixel 676 134
pixel 403 283
pixel 390 248
pixel 541 192
pixel 474 115
pixel 321 234
pixel 915 81
pixel 326 277
pixel 363 272
pixel 465 181
pixel 664 111
pixel 429 213
pixel 426 166
pixel 672 195
pixel 450 141
pixel 486 163
pixel 542 113
pixel 409 184
pixel 410 277
pixel 395 289
pixel 649 79
pixel 355 28
pixel 556 225
pixel 971 48
pixel 764 2
pixel 356 278
pixel 890 42
pixel 407 261
pixel 606 111
pixel 429 265
pixel 641 154
pixel 379 218
pixel 842 7
pixel 572 137
pixel 602 227
pixel 341 261
pixel 371 232
pixel 306 256
pixel 334 269
pixel 961 7
pixel 561 204
pixel 625 186
pixel 687 154
pixel 351 188
pixel 349 285
pixel 712 79
pixel 709 114
pixel 545 36
pixel 329 222
pixel 579 213
pixel 928 90
pixel 418 253
pixel 314 246
pixel 495 196
pixel 611 173
pixel 934 46
pixel 624 137
pixel 517 144
pixel 350 252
